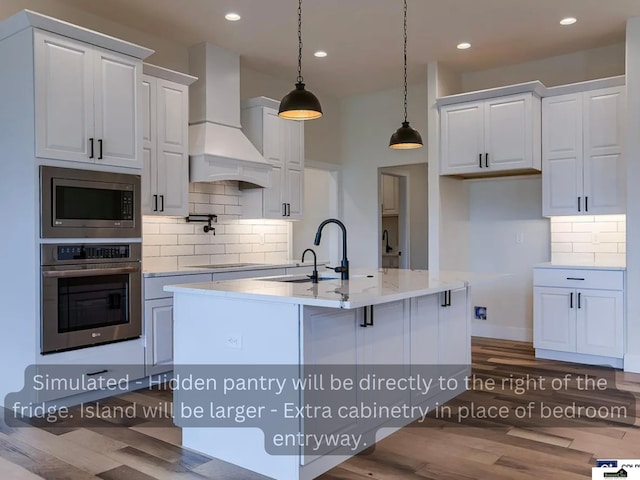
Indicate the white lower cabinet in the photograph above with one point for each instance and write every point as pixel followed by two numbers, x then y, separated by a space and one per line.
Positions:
pixel 158 317
pixel 579 312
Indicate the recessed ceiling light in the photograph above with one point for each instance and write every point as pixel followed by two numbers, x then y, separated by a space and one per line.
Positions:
pixel 320 54
pixel 568 21
pixel 232 17
pixel 463 46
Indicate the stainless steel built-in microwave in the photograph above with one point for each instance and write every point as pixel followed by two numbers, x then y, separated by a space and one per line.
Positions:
pixel 81 204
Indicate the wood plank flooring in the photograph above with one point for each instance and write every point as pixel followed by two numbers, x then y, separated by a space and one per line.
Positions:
pixel 439 448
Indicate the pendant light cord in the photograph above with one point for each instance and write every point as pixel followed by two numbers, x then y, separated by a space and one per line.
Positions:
pixel 405 60
pixel 300 79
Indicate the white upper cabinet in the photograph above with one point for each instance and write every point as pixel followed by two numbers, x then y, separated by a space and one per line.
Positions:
pixel 493 136
pixel 86 103
pixel 583 165
pixel 281 143
pixel 390 194
pixel 165 176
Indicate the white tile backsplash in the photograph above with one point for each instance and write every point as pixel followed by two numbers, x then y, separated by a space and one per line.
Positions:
pixel 171 242
pixel 588 239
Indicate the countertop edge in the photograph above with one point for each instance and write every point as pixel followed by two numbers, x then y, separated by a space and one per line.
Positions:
pixel 199 270
pixel 580 267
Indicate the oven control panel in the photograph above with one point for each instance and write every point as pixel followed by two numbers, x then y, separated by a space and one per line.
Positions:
pixel 92 252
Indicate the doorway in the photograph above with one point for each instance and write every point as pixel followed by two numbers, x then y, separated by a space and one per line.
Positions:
pixel 403 217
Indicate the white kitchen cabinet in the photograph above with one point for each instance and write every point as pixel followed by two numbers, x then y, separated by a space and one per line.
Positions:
pixel 492 136
pixel 159 350
pixel 281 142
pixel 165 142
pixel 583 163
pixel 86 103
pixel 579 311
pixel 390 194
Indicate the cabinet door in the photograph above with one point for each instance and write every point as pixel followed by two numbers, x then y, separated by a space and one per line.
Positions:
pixel 604 166
pixel 508 127
pixel 330 338
pixel 116 83
pixel 424 344
pixel 600 321
pixel 172 161
pixel 454 335
pixel 158 324
pixel 149 173
pixel 461 138
pixel 554 318
pixel 390 195
pixel 63 98
pixel 384 351
pixel 294 173
pixel 562 159
pixel 274 136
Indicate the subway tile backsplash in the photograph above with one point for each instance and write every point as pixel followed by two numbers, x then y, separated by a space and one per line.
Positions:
pixel 599 239
pixel 171 242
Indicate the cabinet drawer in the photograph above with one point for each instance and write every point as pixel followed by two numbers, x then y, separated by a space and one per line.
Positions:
pixel 578 278
pixel 153 286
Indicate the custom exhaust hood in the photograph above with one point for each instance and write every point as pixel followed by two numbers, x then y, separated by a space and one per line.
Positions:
pixel 218 150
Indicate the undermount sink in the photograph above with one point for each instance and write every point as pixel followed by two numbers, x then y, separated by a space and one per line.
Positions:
pixel 299 279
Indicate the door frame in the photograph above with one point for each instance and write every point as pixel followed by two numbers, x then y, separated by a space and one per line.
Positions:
pixel 404 226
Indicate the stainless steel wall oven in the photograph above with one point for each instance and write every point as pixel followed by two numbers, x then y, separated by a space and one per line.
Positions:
pixel 91 294
pixel 83 203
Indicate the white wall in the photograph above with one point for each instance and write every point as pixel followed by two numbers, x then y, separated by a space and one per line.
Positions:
pixel 632 358
pixel 503 212
pixel 319 188
pixel 574 67
pixel 367 124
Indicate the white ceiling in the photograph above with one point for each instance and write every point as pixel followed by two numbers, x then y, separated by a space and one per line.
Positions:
pixel 364 37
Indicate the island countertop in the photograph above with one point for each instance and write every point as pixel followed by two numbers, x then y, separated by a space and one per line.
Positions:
pixel 364 287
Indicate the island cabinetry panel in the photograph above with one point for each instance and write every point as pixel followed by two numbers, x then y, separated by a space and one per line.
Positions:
pixel 583 162
pixel 491 136
pixel 579 312
pixel 281 142
pixel 86 103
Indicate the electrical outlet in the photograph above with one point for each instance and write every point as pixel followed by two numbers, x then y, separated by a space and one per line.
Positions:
pixel 519 238
pixel 261 238
pixel 480 313
pixel 234 342
pixel 595 238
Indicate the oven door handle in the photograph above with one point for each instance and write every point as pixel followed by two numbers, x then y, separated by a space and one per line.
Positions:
pixel 89 272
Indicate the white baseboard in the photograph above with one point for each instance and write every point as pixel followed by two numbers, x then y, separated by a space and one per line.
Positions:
pixel 481 328
pixel 632 362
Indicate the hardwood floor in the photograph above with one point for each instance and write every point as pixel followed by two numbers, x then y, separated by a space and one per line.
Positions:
pixel 440 448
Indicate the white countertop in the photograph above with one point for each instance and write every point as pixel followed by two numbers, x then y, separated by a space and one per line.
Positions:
pixel 364 287
pixel 151 272
pixel 593 266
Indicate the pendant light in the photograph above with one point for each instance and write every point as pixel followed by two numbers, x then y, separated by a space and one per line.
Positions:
pixel 405 137
pixel 300 104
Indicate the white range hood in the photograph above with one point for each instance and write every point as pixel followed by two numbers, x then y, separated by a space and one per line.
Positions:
pixel 218 150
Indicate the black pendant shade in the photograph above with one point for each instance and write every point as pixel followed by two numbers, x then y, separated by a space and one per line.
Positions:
pixel 405 138
pixel 300 104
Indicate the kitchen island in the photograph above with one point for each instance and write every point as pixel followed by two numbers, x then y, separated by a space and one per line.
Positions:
pixel 409 328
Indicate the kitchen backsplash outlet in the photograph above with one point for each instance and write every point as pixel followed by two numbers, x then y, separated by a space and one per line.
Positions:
pixel 171 242
pixel 587 240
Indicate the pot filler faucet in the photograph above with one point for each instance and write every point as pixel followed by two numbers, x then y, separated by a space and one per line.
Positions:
pixel 343 269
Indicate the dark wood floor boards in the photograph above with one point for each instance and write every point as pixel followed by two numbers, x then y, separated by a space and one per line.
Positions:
pixel 137 449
